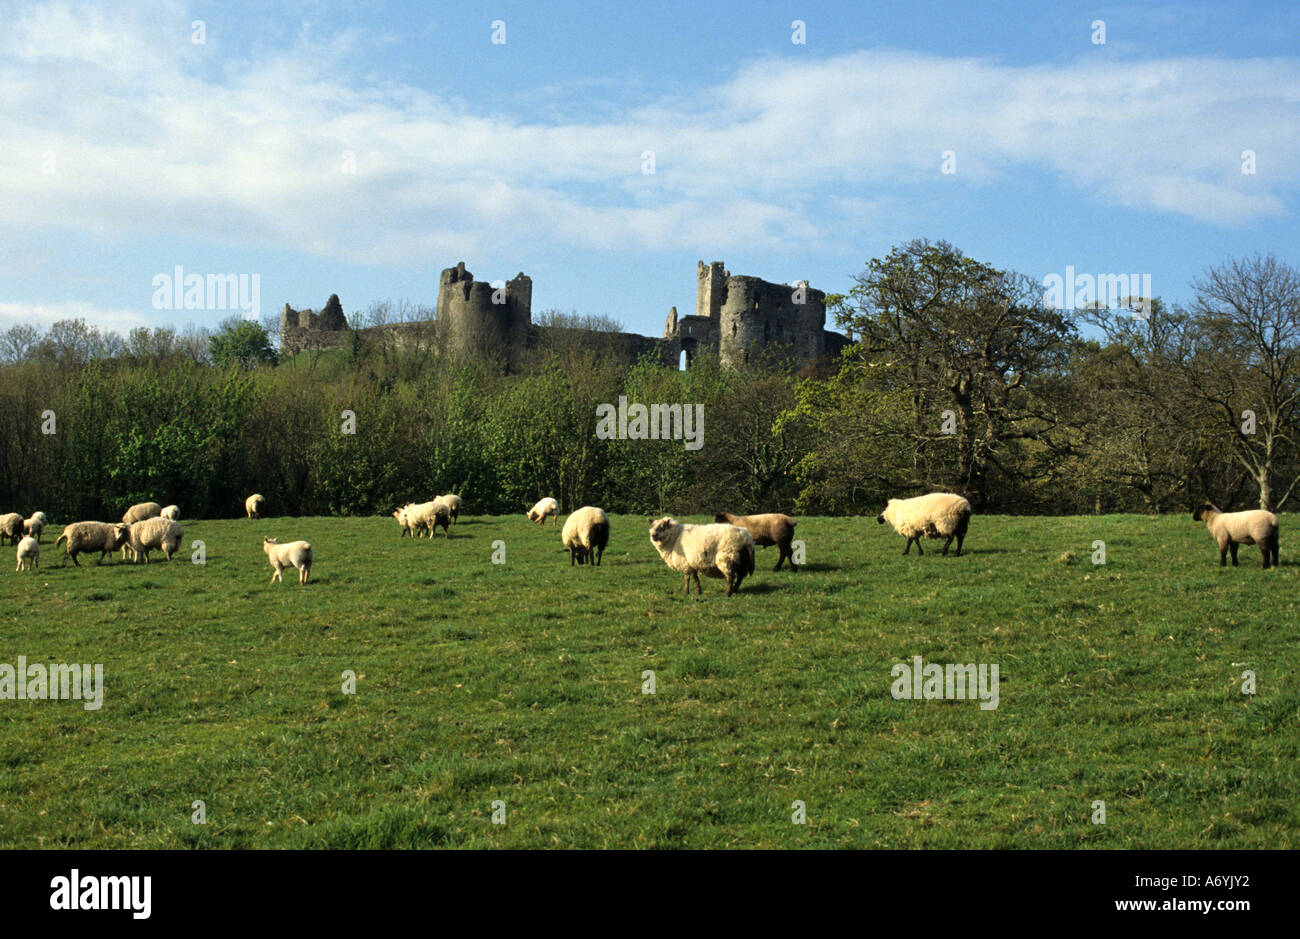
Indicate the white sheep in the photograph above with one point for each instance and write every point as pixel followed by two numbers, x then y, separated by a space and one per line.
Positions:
pixel 294 554
pixel 543 508
pixel 104 537
pixel 11 527
pixel 402 520
pixel 1230 529
pixel 715 550
pixel 29 554
pixel 138 513
pixel 254 505
pixel 35 525
pixel 585 535
pixel 453 503
pixel 172 511
pixel 936 515
pixel 154 533
pixel 427 516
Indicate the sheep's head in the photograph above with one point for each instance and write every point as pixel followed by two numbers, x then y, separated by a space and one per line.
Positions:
pixel 121 534
pixel 722 517
pixel 267 541
pixel 662 530
pixel 1202 509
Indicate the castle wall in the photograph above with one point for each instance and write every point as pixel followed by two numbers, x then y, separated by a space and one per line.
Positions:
pixel 759 318
pixel 472 322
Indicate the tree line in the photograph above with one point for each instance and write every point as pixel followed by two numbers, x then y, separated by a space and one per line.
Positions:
pixel 960 378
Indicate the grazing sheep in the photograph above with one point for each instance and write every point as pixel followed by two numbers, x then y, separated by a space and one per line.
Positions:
pixel 937 515
pixel 427 516
pixel 771 528
pixel 294 554
pixel 104 537
pixel 11 527
pixel 453 503
pixel 160 533
pixel 585 535
pixel 35 525
pixel 29 554
pixel 254 505
pixel 1230 529
pixel 543 508
pixel 172 511
pixel 138 513
pixel 714 550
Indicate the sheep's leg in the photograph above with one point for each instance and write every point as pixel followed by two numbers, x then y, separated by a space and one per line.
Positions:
pixel 730 583
pixel 960 538
pixel 1223 555
pixel 1263 549
pixel 944 552
pixel 1233 548
pixel 688 584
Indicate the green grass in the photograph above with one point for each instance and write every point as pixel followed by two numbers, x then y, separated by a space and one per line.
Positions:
pixel 522 682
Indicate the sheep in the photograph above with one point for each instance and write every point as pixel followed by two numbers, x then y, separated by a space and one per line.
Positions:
pixel 543 508
pixel 771 528
pixel 138 513
pixel 172 511
pixel 11 527
pixel 104 537
pixel 428 516
pixel 294 554
pixel 254 505
pixel 29 554
pixel 936 515
pixel 402 520
pixel 1230 529
pixel 35 525
pixel 153 533
pixel 715 550
pixel 585 535
pixel 453 504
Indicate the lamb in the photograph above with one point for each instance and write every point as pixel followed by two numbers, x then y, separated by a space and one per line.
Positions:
pixel 771 528
pixel 453 504
pixel 543 508
pixel 1230 529
pixel 11 527
pixel 428 516
pixel 936 515
pixel 161 533
pixel 172 511
pixel 715 550
pixel 29 554
pixel 35 525
pixel 294 554
pixel 254 505
pixel 585 535
pixel 138 513
pixel 104 537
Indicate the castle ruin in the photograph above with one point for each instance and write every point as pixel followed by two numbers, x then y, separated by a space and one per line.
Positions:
pixel 742 320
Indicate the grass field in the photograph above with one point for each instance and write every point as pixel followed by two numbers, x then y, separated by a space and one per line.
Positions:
pixel 522 682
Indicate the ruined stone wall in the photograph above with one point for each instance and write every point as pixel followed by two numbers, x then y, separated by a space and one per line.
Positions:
pixel 760 318
pixel 474 324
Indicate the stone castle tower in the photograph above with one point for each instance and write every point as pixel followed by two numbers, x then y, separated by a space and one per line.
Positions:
pixel 745 318
pixel 477 319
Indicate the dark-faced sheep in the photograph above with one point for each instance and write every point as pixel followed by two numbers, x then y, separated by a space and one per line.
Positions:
pixel 586 535
pixel 771 528
pixel 1230 529
pixel 936 515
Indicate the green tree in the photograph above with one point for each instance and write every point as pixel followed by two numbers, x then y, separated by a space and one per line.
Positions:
pixel 243 343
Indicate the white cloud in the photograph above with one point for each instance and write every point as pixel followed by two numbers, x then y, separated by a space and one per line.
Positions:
pixel 147 144
pixel 43 315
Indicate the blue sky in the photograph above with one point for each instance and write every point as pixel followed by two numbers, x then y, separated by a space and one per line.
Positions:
pixel 127 149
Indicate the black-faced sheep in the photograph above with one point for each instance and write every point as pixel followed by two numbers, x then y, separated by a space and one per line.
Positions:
pixel 543 508
pixel 713 550
pixel 937 515
pixel 29 554
pixel 254 505
pixel 104 537
pixel 1230 529
pixel 154 533
pixel 586 535
pixel 768 529
pixel 294 554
